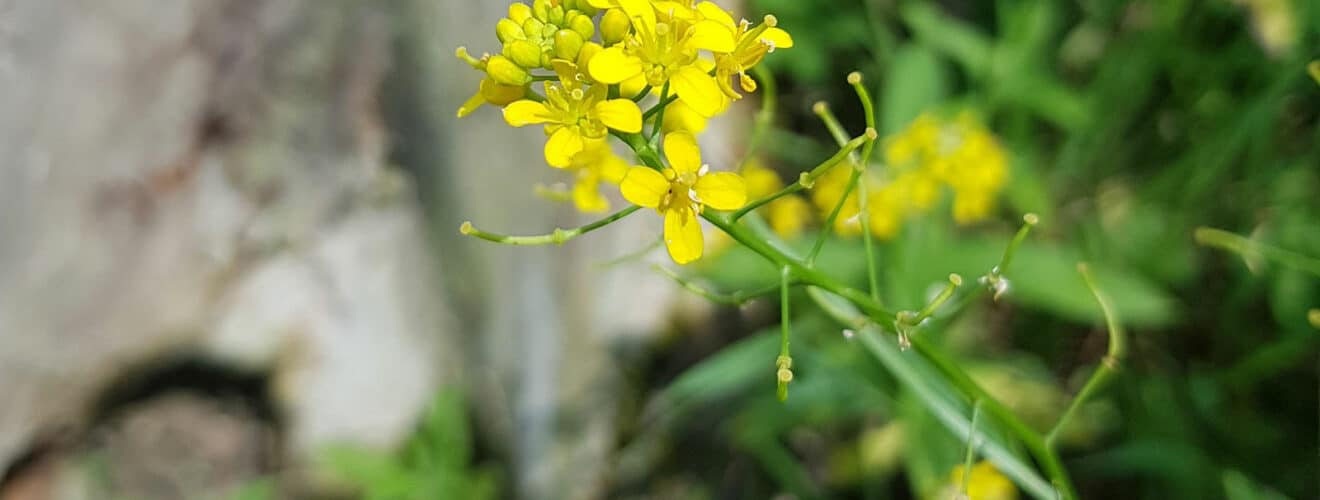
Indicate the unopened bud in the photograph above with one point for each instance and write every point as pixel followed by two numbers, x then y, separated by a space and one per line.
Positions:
pixel 567 44
pixel 508 30
pixel 541 9
pixel 589 50
pixel 614 26
pixel 582 25
pixel 555 15
pixel 523 53
pixel 519 12
pixel 533 28
pixel 500 95
pixel 504 70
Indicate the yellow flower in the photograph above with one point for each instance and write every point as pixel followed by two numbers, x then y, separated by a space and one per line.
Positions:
pixel 751 47
pixel 986 483
pixel 681 192
pixel 788 215
pixel 574 115
pixel 489 91
pixel 656 53
pixel 595 164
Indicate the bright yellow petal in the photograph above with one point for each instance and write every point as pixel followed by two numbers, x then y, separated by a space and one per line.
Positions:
pixel 525 112
pixel 641 12
pixel 778 37
pixel 683 235
pixel 721 190
pixel 644 186
pixel 562 146
pixel 587 198
pixel 612 168
pixel 682 151
pixel 620 114
pixel 714 12
pixel 471 105
pixel 679 116
pixel 634 86
pixel 612 66
pixel 713 36
pixel 698 90
pixel 602 4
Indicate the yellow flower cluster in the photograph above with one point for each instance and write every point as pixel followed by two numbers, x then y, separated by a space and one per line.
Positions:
pixel 931 154
pixel 984 483
pixel 682 57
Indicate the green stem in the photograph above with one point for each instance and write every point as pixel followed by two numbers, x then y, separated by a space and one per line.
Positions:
pixel 871 279
pixel 659 106
pixel 784 363
pixel 556 237
pixel 834 215
pixel 764 117
pixel 645 92
pixel 1249 248
pixel 738 298
pixel 659 117
pixel 1108 366
pixel 807 178
pixel 971 447
pixel 954 282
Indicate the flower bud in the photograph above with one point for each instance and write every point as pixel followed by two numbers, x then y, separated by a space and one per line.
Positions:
pixel 582 25
pixel 589 50
pixel 519 12
pixel 614 26
pixel 523 53
pixel 568 44
pixel 533 28
pixel 541 9
pixel 505 71
pixel 507 30
pixel 500 95
pixel 555 16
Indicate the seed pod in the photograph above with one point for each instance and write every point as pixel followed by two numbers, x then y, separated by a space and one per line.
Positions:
pixel 505 71
pixel 614 26
pixel 523 53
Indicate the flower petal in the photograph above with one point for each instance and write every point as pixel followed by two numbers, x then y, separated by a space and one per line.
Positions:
pixel 778 37
pixel 721 190
pixel 562 146
pixel 683 235
pixel 644 186
pixel 613 65
pixel 620 114
pixel 679 116
pixel 714 12
pixel 712 36
pixel 525 112
pixel 682 151
pixel 587 198
pixel 698 90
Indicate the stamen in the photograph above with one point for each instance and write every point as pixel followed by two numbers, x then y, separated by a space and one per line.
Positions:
pixel 704 168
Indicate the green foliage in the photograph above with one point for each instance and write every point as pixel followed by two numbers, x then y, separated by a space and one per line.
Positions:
pixel 436 462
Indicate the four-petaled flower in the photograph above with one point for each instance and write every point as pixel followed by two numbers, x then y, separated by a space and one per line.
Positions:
pixel 681 192
pixel 574 114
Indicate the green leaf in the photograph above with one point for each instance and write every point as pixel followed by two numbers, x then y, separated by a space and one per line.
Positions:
pixel 943 401
pixel 917 81
pixel 965 45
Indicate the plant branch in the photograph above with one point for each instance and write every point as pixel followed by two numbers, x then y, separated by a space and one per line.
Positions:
pixel 556 237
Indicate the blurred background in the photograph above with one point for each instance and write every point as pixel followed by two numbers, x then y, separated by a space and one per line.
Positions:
pixel 230 264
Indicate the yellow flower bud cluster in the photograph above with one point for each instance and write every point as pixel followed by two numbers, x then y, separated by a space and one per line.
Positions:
pixel 930 156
